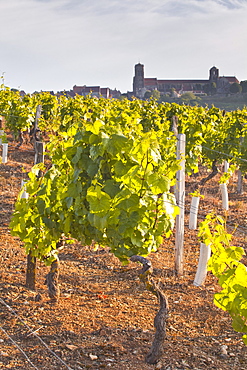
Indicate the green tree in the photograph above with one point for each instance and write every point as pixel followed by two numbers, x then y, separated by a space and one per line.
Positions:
pixel 188 98
pixel 235 88
pixel 206 88
pixel 155 94
pixel 210 89
pixel 123 96
pixel 148 94
pixel 213 88
pixel 243 84
pixel 172 92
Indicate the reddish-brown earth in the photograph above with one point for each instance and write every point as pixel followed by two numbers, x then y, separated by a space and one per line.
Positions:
pixel 104 318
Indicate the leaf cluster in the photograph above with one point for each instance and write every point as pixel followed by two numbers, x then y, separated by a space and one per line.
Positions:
pixel 225 263
pixel 108 183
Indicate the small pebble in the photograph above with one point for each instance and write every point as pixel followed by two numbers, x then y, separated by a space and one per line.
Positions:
pixel 223 350
pixel 158 366
pixel 93 357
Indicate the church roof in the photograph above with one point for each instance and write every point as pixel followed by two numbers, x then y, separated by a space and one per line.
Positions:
pixel 155 81
pixel 150 81
pixel 231 79
pixel 182 81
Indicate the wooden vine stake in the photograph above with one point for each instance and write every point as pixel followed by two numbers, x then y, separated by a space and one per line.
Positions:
pixel 201 273
pixel 5 153
pixel 31 260
pixel 157 348
pixel 193 213
pixel 239 173
pixel 224 194
pixel 226 166
pixel 180 198
pixel 240 182
pixel 35 126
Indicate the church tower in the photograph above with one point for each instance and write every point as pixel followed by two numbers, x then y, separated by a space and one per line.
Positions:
pixel 138 81
pixel 213 74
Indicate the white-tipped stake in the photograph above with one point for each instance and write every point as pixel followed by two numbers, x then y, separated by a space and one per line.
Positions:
pixel 224 193
pixel 193 213
pixel 5 153
pixel 226 166
pixel 1 134
pixel 201 273
pixel 24 194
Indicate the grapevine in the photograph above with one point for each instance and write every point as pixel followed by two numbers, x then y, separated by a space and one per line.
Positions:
pixel 103 186
pixel 225 263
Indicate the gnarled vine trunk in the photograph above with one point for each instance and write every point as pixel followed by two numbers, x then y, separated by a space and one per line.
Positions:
pixel 157 348
pixel 52 281
pixel 211 175
pixel 31 272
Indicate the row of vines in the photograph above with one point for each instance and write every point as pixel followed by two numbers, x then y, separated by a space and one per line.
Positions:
pixel 109 172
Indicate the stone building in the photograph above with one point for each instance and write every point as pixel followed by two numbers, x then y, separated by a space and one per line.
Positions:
pixel 220 84
pixel 94 91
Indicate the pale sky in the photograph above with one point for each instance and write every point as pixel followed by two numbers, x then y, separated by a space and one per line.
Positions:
pixel 56 44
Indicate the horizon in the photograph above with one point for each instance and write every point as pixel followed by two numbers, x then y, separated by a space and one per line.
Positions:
pixel 122 92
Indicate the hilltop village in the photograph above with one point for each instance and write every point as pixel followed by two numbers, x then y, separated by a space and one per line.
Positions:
pixel 166 89
pixel 215 84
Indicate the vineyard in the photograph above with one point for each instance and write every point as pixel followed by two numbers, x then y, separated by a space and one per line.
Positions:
pixel 103 195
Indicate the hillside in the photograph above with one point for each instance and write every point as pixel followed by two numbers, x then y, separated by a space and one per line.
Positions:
pixel 228 103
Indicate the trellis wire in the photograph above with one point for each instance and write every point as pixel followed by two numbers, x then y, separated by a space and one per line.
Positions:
pixel 228 155
pixel 202 215
pixel 35 334
pixel 19 348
